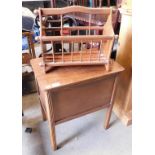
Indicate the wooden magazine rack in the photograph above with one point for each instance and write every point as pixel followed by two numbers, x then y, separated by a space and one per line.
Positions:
pixel 90 45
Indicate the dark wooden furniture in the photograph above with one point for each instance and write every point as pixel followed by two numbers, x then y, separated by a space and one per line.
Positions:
pixel 70 92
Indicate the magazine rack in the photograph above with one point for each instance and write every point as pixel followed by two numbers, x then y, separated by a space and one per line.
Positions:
pixel 91 44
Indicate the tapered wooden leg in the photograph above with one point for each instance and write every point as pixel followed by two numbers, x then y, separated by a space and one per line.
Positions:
pixel 107 119
pixel 53 137
pixel 109 111
pixel 43 112
pixel 50 117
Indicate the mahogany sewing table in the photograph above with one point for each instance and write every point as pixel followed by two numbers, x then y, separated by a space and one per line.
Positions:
pixel 69 92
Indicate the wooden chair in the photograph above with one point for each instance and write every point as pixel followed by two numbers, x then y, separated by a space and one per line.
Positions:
pixel 27 73
pixel 26 57
pixel 99 35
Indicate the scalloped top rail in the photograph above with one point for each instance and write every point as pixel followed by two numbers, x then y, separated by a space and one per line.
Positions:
pixel 82 9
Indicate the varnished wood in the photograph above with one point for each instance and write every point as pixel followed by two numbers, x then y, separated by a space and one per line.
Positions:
pixel 76 57
pixel 26 57
pixel 123 100
pixel 75 28
pixel 72 92
pixel 65 10
pixel 43 110
pixel 75 105
pixel 82 114
pixel 107 36
pixel 77 38
pixel 108 114
pixel 50 115
pixel 64 77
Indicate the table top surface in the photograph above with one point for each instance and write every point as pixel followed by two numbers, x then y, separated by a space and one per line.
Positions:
pixel 70 75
